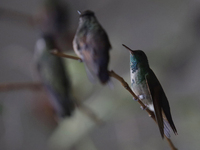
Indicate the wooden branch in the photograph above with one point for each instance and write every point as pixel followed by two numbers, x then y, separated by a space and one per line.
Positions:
pixel 126 86
pixel 55 52
pixel 20 86
pixel 171 144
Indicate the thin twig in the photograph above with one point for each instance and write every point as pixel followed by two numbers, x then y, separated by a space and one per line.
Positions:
pixel 126 86
pixel 171 144
pixel 20 86
pixel 55 52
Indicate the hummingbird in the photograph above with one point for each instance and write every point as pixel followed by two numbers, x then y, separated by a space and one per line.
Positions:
pixel 146 86
pixel 54 76
pixel 92 45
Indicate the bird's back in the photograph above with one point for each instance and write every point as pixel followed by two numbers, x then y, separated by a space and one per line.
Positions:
pixel 91 44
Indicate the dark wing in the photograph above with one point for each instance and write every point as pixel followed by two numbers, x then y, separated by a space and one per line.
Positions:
pixel 166 109
pixel 154 90
pixel 99 46
pixel 160 102
pixel 94 48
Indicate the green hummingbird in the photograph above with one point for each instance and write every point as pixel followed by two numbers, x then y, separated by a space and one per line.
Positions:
pixel 146 86
pixel 54 76
pixel 92 45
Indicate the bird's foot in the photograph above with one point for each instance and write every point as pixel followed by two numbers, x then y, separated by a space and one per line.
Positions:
pixel 135 99
pixel 143 108
pixel 141 97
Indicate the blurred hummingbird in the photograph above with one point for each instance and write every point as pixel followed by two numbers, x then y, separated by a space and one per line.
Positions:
pixel 146 86
pixel 53 75
pixel 92 45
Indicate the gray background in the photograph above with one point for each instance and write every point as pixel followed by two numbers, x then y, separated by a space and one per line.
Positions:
pixel 169 33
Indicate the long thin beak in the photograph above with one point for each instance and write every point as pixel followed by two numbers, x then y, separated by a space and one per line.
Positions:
pixel 79 12
pixel 128 48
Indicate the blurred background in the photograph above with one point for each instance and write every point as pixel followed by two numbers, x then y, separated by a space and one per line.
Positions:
pixel 168 32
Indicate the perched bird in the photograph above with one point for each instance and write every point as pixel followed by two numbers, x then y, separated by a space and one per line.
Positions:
pixel 53 75
pixel 146 86
pixel 92 45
